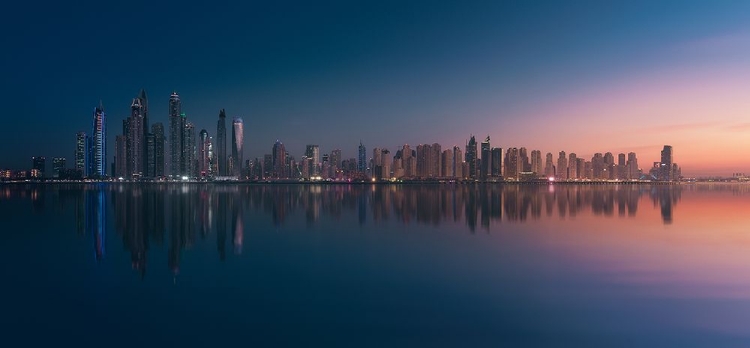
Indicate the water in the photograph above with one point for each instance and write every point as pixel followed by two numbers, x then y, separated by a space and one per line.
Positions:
pixel 375 265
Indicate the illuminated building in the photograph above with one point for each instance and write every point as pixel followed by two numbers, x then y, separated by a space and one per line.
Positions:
pixel 136 141
pixel 157 129
pixel 665 165
pixel 536 162
pixel 39 163
pixel 203 154
pixel 312 152
pixel 98 144
pixel 471 157
pixel 561 171
pixel 486 159
pixel 221 143
pixel 175 135
pixel 80 153
pixel 549 166
pixel 496 169
pixel 238 138
pixel 188 149
pixel 279 160
pixel 573 166
pixel 511 167
pixel 362 158
pixel 58 167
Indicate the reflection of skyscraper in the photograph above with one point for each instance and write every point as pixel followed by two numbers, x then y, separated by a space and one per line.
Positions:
pixel 96 218
pixel 237 142
pixel 238 229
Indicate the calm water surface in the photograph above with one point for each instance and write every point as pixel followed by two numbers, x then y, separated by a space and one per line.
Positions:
pixel 382 266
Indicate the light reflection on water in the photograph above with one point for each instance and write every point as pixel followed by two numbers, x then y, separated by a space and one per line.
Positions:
pixel 531 265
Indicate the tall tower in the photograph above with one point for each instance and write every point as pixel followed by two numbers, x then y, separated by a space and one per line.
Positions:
pixel 80 154
pixel 149 144
pixel 238 138
pixel 221 143
pixel 471 157
pixel 278 160
pixel 157 129
pixel 203 154
pixel 98 146
pixel 486 159
pixel 313 153
pixel 665 166
pixel 175 135
pixel 362 160
pixel 562 166
pixel 632 165
pixel 188 149
pixel 136 140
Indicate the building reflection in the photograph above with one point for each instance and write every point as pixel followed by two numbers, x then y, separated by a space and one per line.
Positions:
pixel 171 217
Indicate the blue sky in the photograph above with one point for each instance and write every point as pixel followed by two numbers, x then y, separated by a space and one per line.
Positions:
pixel 546 75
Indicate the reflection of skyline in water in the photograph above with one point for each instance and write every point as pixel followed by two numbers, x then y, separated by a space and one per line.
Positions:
pixel 173 217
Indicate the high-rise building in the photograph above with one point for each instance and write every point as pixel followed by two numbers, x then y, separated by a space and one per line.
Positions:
pixel 458 159
pixel 609 166
pixel 486 159
pixel 573 166
pixel 98 145
pixel 175 135
pixel 312 152
pixel 497 162
pixel 598 168
pixel 149 165
pixel 79 157
pixel 238 139
pixel 58 167
pixel 121 166
pixel 362 159
pixel 523 158
pixel 136 140
pixel 562 167
pixel 471 157
pixel 221 143
pixel 279 160
pixel 189 162
pixel 666 164
pixel 512 164
pixel 157 129
pixel 549 166
pixel 203 151
pixel 39 163
pixel 632 165
pixel 536 162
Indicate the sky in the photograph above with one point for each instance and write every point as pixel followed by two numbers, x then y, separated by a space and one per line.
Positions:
pixel 573 76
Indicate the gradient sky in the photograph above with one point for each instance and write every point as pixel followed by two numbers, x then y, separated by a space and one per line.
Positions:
pixel 578 76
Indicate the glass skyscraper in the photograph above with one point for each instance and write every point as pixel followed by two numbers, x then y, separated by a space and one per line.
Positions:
pixel 98 145
pixel 237 141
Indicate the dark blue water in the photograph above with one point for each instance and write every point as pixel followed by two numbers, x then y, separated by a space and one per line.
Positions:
pixel 375 265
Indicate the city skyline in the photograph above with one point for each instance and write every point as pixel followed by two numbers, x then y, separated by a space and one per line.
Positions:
pixel 582 78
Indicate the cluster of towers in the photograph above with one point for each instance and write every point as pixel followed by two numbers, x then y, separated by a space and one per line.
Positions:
pixel 476 162
pixel 143 150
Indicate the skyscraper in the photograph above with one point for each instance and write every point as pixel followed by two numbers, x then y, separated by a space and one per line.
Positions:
pixel 471 157
pixel 39 163
pixel 512 164
pixel 221 143
pixel 203 151
pixel 549 166
pixel 80 154
pixel 136 140
pixel 362 160
pixel 237 141
pixel 665 166
pixel 312 152
pixel 458 160
pixel 496 169
pixel 486 159
pixel 58 167
pixel 278 157
pixel 98 146
pixel 157 129
pixel 149 165
pixel 175 135
pixel 562 167
pixel 572 166
pixel 536 162
pixel 632 165
pixel 189 162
